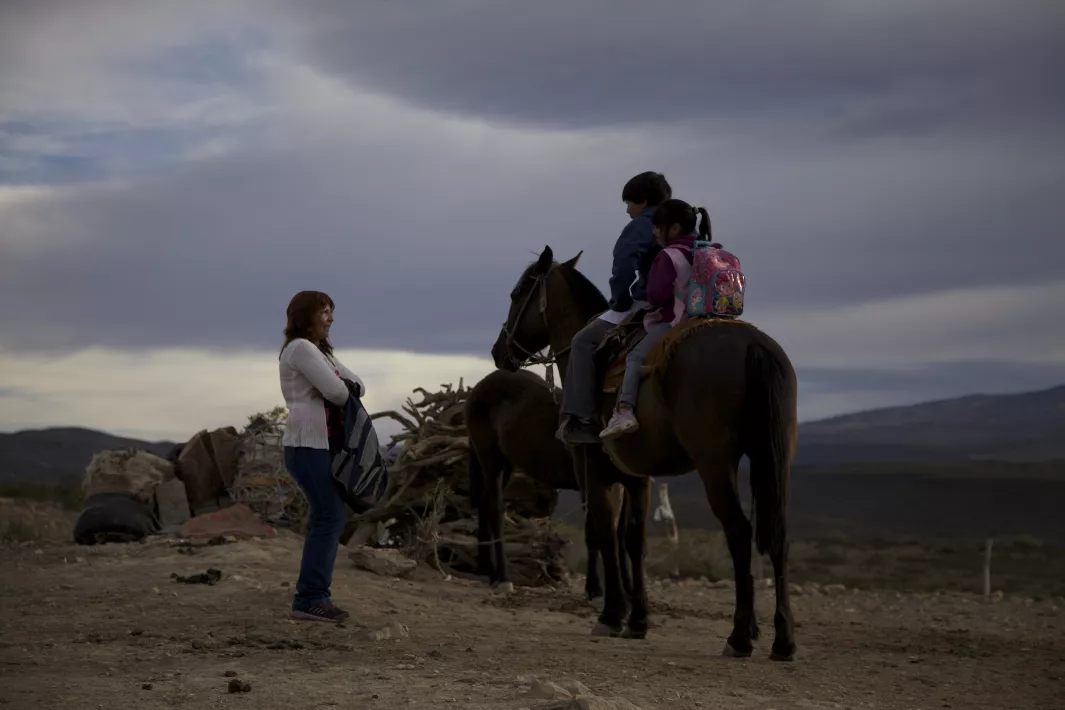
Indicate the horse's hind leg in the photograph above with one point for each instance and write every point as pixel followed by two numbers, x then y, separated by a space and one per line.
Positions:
pixel 784 644
pixel 720 484
pixel 494 470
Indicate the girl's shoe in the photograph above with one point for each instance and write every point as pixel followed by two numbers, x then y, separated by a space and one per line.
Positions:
pixel 623 422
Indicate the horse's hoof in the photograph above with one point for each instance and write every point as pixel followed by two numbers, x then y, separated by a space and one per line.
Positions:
pixel 637 635
pixel 731 652
pixel 597 603
pixel 505 587
pixel 783 656
pixel 602 630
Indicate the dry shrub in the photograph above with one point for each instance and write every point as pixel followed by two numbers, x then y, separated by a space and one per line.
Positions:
pixel 34 521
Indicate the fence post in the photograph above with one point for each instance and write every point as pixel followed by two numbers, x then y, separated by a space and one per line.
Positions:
pixel 987 567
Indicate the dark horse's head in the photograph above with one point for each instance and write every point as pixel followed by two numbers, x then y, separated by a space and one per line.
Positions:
pixel 547 306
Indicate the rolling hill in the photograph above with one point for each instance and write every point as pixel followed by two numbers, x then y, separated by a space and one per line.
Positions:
pixel 970 466
pixel 53 455
pixel 1016 427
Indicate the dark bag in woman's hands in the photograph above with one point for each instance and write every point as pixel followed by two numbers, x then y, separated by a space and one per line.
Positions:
pixel 358 468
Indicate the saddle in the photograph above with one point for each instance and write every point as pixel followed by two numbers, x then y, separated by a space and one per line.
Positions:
pixel 611 353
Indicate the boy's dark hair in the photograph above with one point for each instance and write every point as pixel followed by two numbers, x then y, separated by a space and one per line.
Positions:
pixel 684 215
pixel 649 187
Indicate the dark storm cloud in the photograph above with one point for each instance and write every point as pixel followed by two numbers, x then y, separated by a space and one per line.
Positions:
pixel 848 156
pixel 851 70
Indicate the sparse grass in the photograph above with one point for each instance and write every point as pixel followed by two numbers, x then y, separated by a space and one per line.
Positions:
pixel 1020 565
pixel 67 494
pixel 34 521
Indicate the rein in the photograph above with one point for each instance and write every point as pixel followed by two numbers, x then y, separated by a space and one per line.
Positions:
pixel 530 357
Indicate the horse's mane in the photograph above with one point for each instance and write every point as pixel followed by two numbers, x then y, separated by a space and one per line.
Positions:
pixel 584 291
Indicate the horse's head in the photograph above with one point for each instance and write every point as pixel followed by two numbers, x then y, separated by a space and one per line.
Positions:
pixel 536 296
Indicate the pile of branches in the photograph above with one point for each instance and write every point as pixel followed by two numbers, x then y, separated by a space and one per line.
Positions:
pixel 427 510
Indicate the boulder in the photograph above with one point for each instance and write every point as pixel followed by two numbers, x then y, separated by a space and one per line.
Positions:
pixel 237 521
pixel 113 517
pixel 207 465
pixel 131 472
pixel 385 562
pixel 172 504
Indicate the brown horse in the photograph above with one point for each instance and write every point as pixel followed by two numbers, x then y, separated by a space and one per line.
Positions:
pixel 511 419
pixel 727 390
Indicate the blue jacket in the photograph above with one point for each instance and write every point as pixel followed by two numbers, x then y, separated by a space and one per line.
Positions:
pixel 634 252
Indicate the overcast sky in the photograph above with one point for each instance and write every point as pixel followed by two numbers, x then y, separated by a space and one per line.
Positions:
pixel 890 173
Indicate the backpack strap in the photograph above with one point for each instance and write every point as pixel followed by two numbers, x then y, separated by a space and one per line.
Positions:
pixel 676 255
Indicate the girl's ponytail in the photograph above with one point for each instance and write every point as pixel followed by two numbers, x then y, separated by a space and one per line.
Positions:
pixel 704 224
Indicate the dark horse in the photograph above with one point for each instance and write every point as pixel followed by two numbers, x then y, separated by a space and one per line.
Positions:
pixel 726 390
pixel 511 419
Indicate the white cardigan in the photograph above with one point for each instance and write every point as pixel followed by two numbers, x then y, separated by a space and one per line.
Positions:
pixel 308 378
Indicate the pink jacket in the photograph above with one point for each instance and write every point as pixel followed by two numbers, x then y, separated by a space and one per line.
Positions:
pixel 667 283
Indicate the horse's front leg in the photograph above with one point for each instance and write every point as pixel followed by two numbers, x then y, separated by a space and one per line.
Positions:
pixel 601 515
pixel 593 585
pixel 635 509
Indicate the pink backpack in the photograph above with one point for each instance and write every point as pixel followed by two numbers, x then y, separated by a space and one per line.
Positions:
pixel 717 283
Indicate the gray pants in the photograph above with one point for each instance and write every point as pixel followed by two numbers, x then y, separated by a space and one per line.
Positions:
pixel 578 391
pixel 630 385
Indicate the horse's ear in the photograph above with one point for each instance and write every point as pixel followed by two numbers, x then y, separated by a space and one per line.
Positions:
pixel 572 263
pixel 547 258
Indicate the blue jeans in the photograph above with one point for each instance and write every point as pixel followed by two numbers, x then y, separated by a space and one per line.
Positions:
pixel 312 469
pixel 578 388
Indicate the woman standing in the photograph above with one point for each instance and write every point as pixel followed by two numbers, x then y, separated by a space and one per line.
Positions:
pixel 310 375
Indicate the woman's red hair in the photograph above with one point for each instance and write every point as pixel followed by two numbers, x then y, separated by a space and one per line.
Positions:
pixel 302 311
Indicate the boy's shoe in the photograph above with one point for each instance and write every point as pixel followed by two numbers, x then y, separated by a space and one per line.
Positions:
pixel 620 424
pixel 325 611
pixel 578 431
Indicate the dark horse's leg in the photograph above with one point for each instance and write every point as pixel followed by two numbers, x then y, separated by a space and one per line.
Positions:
pixel 479 486
pixel 602 515
pixel 496 511
pixel 593 585
pixel 719 480
pixel 623 508
pixel 489 471
pixel 634 517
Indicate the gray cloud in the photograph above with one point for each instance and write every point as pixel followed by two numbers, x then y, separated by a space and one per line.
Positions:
pixel 903 67
pixel 846 157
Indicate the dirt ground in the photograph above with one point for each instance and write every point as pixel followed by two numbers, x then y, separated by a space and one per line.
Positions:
pixel 108 627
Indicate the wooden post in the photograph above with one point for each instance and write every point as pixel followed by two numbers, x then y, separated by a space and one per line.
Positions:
pixel 987 567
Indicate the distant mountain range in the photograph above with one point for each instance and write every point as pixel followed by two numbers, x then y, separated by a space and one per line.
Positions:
pixel 1016 427
pixel 970 466
pixel 54 455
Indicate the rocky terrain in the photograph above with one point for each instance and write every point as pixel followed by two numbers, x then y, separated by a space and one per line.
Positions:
pixel 113 626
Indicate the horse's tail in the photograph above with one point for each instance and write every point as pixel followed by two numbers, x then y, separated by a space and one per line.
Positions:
pixel 768 446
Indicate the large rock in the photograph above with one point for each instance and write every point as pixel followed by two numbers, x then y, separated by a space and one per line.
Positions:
pixel 237 521
pixel 207 465
pixel 113 517
pixel 131 472
pixel 172 505
pixel 385 562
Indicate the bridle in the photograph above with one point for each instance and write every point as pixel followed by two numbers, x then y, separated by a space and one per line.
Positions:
pixel 531 357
